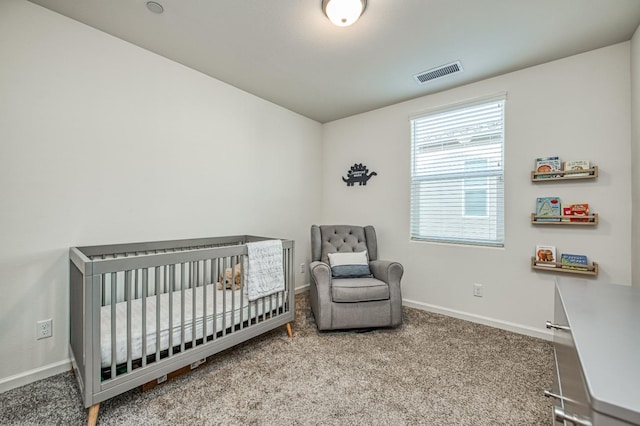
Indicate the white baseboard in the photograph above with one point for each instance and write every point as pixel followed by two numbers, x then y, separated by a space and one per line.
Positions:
pixel 302 289
pixel 34 375
pixel 492 322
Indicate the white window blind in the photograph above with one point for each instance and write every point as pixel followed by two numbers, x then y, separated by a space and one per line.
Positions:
pixel 457 174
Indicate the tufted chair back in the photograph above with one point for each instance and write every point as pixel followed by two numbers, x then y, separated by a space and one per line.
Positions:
pixel 342 238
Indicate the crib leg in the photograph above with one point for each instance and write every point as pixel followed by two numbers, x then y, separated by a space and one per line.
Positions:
pixel 289 331
pixel 92 416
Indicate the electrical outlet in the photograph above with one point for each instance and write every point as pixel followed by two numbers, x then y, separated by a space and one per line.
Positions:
pixel 302 265
pixel 477 290
pixel 44 329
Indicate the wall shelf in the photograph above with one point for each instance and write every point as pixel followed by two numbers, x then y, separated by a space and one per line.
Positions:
pixel 564 175
pixel 573 218
pixel 592 220
pixel 591 269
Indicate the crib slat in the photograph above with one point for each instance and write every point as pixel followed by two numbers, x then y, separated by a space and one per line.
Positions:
pixel 290 280
pixel 170 271
pixel 158 303
pixel 127 290
pixel 136 285
pixel 264 308
pixel 204 300
pixel 193 303
pixel 182 301
pixel 104 290
pixel 233 261
pixel 214 275
pixel 223 272
pixel 112 284
pixel 250 305
pixel 285 265
pixel 242 287
pixel 145 284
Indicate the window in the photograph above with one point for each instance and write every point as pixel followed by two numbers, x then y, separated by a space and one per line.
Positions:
pixel 457 174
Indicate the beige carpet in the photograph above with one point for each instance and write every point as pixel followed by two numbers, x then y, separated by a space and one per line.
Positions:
pixel 433 370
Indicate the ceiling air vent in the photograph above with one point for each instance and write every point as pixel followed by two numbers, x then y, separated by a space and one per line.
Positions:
pixel 438 72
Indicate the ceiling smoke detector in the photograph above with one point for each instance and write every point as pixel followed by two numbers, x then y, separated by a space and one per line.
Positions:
pixel 438 72
pixel 155 7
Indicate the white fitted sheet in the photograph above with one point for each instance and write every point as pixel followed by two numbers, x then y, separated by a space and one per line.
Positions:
pixel 225 315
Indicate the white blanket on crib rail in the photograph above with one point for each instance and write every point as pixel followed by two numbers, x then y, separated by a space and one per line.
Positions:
pixel 264 274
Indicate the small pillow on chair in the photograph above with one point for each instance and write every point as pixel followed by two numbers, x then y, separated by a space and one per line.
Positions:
pixel 349 265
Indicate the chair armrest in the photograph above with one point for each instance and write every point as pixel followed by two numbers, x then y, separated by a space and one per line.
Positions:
pixel 320 294
pixel 321 272
pixel 390 273
pixel 387 271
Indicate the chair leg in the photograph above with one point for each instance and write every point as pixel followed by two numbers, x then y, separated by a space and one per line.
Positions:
pixel 289 331
pixel 92 416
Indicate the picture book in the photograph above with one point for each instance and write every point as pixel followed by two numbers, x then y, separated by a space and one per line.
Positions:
pixel 573 261
pixel 548 206
pixel 577 165
pixel 545 256
pixel 579 212
pixel 548 164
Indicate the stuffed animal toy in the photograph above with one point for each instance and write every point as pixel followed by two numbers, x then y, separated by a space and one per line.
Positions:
pixel 230 277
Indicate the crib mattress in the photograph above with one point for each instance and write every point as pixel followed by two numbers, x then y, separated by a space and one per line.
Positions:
pixel 227 313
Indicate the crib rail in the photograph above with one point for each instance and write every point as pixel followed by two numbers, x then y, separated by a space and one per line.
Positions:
pixel 169 246
pixel 159 307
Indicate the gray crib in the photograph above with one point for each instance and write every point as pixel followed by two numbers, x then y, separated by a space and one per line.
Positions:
pixel 142 311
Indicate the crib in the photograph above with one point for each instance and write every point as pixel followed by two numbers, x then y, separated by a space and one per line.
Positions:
pixel 141 312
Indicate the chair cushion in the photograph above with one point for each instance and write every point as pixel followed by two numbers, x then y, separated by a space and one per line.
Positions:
pixel 349 265
pixel 358 290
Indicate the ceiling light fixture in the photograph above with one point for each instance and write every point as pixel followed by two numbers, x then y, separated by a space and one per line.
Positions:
pixel 343 12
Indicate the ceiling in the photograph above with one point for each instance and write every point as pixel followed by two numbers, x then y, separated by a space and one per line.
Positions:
pixel 287 51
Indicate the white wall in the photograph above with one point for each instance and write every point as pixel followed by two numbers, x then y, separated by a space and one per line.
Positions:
pixel 104 142
pixel 576 108
pixel 635 155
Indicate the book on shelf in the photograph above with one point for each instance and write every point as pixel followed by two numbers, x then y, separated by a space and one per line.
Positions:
pixel 545 256
pixel 578 212
pixel 577 165
pixel 548 206
pixel 548 165
pixel 574 261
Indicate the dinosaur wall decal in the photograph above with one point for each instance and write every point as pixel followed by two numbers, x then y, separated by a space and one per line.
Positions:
pixel 358 173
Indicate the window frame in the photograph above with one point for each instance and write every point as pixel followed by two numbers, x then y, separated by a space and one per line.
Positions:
pixel 494 186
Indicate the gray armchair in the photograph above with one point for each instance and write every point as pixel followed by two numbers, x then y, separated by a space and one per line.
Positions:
pixel 343 303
